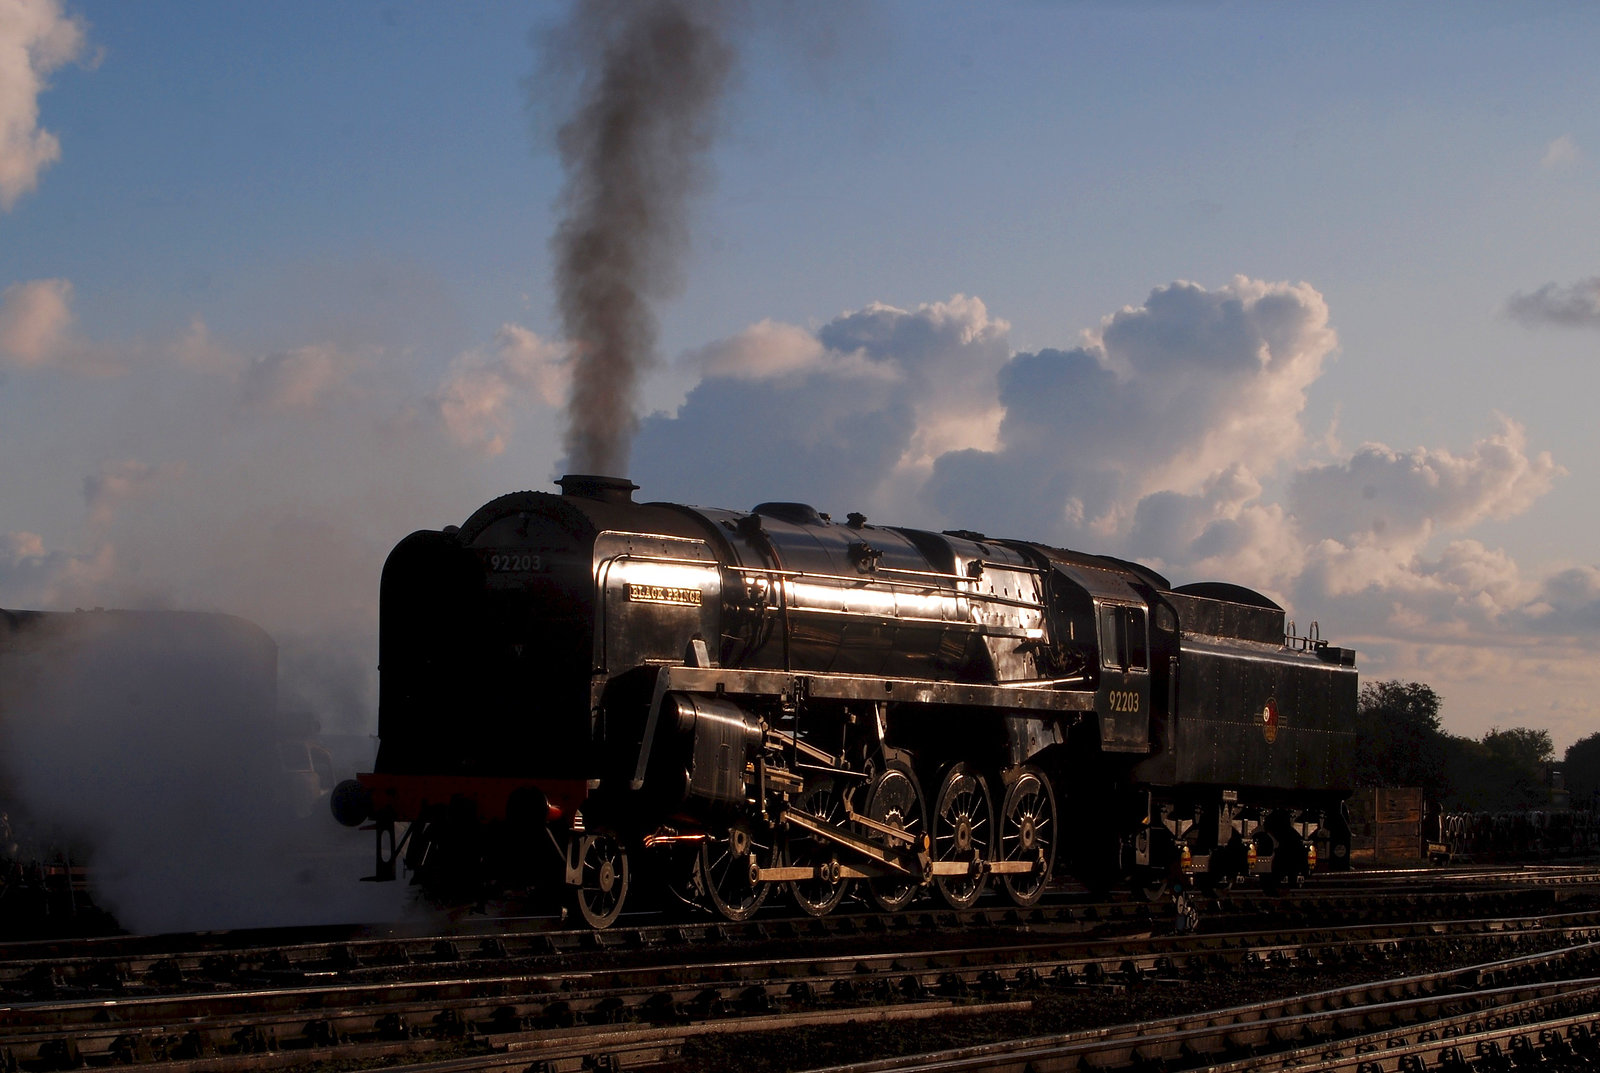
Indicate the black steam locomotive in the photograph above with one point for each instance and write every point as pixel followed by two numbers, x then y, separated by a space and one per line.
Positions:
pixel 575 686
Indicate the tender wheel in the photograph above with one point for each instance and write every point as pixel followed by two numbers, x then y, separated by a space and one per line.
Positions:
pixel 963 830
pixel 603 878
pixel 1027 833
pixel 722 871
pixel 895 800
pixel 818 896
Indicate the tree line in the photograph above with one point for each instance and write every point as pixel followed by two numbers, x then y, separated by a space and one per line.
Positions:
pixel 1399 742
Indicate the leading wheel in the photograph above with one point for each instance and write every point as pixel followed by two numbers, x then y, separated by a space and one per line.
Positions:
pixel 895 800
pixel 1027 833
pixel 602 878
pixel 723 871
pixel 963 831
pixel 819 895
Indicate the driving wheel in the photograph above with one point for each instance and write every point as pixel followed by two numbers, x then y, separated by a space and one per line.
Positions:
pixel 1027 833
pixel 723 871
pixel 819 895
pixel 963 831
pixel 895 800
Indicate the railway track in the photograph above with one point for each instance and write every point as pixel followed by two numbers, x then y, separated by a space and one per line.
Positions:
pixel 564 1013
pixel 121 964
pixel 641 1022
pixel 639 996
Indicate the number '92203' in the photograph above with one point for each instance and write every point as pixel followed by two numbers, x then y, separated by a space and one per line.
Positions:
pixel 515 563
pixel 1124 700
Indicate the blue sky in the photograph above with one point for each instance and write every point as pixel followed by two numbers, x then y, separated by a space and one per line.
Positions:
pixel 284 293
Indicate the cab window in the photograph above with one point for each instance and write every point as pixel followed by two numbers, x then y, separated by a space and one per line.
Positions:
pixel 1110 636
pixel 1138 658
pixel 1123 642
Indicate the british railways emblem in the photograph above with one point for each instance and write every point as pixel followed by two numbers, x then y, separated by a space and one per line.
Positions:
pixel 1269 720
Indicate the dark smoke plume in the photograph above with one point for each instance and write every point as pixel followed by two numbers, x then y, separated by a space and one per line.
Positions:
pixel 634 148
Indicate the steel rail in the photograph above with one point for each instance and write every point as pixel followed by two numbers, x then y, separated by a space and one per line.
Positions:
pixel 1391 1048
pixel 618 1049
pixel 1264 1030
pixel 34 1032
pixel 1414 1024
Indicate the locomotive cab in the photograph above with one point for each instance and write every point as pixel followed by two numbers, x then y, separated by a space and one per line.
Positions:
pixel 1092 599
pixel 1124 694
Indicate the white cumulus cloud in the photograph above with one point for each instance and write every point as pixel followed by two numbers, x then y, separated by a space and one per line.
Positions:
pixel 486 389
pixel 199 351
pixel 37 332
pixel 1162 397
pixel 1560 152
pixel 306 378
pixel 36 37
pixel 857 408
pixel 1568 602
pixel 764 351
pixel 1398 499
pixel 35 322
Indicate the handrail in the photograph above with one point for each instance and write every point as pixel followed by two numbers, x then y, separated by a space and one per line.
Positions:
pixel 1311 642
pixel 801 575
pixel 985 563
pixel 604 567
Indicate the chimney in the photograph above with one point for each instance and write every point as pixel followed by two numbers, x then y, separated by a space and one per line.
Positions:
pixel 592 486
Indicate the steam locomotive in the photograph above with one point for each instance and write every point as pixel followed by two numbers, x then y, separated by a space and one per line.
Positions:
pixel 577 690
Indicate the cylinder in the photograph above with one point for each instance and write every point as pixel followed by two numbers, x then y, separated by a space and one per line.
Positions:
pixel 723 736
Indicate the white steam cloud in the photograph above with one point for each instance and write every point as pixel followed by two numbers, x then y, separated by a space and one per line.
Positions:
pixel 33 575
pixel 118 483
pixel 154 740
